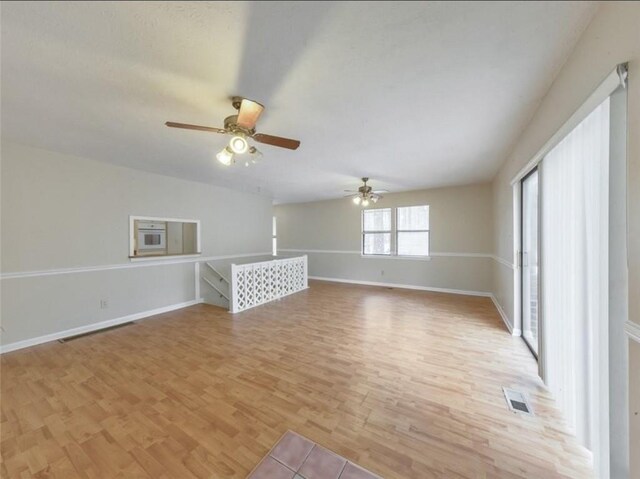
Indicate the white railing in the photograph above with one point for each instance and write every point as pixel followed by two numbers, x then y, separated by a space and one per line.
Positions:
pixel 258 283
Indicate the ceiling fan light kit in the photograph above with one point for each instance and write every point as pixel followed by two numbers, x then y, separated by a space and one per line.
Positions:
pixel 241 126
pixel 238 145
pixel 255 156
pixel 365 195
pixel 225 156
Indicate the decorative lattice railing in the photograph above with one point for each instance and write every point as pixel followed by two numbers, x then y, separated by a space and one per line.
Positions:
pixel 258 283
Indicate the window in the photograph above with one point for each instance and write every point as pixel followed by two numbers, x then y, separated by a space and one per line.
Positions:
pixel 412 231
pixel 274 238
pixel 151 237
pixel 376 231
pixel 407 236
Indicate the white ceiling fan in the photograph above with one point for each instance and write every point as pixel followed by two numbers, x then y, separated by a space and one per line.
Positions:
pixel 365 194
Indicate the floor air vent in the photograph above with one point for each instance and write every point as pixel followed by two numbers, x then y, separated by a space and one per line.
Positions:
pixel 517 401
pixel 90 333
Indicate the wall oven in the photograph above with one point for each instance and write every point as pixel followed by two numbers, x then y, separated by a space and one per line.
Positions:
pixel 152 237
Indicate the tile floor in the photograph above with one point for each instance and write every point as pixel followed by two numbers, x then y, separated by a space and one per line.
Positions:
pixel 296 457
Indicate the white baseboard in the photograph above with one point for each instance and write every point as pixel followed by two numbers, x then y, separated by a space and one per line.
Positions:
pixel 514 332
pixel 505 319
pixel 404 286
pixel 165 309
pixel 94 327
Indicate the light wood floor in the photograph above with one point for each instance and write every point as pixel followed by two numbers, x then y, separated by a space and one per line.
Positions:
pixel 404 383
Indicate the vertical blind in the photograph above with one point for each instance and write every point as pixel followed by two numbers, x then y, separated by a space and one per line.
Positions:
pixel 574 190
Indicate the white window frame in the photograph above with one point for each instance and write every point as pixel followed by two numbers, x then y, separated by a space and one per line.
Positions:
pixel 428 231
pixel 132 239
pixel 393 253
pixel 363 233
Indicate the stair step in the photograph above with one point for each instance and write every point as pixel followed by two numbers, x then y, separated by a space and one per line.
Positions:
pixel 222 278
pixel 222 293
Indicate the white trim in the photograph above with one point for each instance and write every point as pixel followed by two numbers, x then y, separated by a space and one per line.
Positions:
pixel 444 254
pixel 87 269
pixel 503 262
pixel 163 259
pixel 328 251
pixel 513 332
pixel 463 255
pixel 392 256
pixel 403 286
pixel 162 218
pixel 132 239
pixel 633 330
pixel 94 326
pixel 505 319
pixel 196 282
pixel 516 192
pixel 605 89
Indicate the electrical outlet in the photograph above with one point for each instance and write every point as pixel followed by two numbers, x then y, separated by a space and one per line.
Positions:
pixel 104 304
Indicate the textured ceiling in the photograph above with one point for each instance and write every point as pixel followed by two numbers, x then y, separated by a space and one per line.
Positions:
pixel 413 95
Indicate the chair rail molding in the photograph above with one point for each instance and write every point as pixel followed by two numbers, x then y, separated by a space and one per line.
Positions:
pixel 359 253
pixel 433 254
pixel 143 264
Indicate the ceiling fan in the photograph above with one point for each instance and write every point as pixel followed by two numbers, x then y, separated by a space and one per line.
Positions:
pixel 365 194
pixel 241 127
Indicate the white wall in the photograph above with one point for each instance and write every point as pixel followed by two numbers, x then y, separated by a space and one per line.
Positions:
pixel 613 37
pixel 461 239
pixel 61 212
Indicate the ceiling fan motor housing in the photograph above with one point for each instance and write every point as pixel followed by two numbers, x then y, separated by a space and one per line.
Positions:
pixel 231 125
pixel 236 102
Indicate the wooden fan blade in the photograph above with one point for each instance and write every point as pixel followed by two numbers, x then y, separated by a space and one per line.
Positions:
pixel 277 141
pixel 186 126
pixel 380 191
pixel 350 196
pixel 249 113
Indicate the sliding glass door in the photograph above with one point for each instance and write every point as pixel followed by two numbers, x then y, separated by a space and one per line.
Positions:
pixel 529 254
